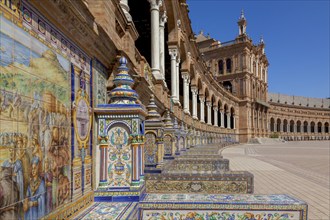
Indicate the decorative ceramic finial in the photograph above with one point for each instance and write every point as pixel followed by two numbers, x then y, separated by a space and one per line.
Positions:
pixel 153 115
pixel 168 120
pixel 123 93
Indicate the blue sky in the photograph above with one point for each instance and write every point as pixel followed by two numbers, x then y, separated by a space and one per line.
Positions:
pixel 296 34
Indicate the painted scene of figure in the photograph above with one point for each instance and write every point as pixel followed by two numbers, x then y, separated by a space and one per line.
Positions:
pixel 35 148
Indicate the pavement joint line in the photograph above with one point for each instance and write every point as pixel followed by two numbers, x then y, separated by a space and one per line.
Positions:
pixel 313 192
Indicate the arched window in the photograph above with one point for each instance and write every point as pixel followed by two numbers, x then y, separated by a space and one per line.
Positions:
pixel 285 125
pixel 312 127
pixel 228 65
pixel 254 68
pixel 299 126
pixel 232 118
pixel 319 127
pixel 228 86
pixel 291 126
pixel 220 67
pixel 305 126
pixel 272 124
pixel 225 116
pixel 278 125
pixel 326 127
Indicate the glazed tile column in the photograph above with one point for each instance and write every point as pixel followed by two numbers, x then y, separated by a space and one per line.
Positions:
pixel 186 81
pixel 209 104
pixel 154 9
pixel 222 119
pixel 177 79
pixel 173 53
pixel 162 21
pixel 103 146
pixel 228 119
pixel 202 100
pixel 215 112
pixel 194 92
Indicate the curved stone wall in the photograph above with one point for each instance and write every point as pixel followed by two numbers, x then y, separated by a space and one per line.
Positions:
pixel 303 121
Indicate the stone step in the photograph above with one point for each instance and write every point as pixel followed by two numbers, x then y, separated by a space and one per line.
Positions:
pixel 228 182
pixel 197 165
pixel 222 206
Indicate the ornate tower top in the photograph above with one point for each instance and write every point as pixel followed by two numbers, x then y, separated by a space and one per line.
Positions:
pixel 242 24
pixel 242 15
pixel 123 93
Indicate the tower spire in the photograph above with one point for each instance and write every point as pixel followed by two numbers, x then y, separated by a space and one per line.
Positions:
pixel 242 24
pixel 242 15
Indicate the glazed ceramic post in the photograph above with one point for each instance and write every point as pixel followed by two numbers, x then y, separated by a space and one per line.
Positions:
pixel 136 163
pixel 103 164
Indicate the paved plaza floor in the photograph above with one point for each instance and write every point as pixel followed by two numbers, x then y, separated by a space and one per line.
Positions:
pixel 300 169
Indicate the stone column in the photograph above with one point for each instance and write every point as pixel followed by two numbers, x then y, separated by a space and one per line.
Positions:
pixel 215 111
pixel 162 21
pixel 222 115
pixel 202 100
pixel 275 127
pixel 154 9
pixel 228 119
pixel 194 91
pixel 209 105
pixel 173 53
pixel 124 6
pixel 186 81
pixel 234 121
pixel 177 80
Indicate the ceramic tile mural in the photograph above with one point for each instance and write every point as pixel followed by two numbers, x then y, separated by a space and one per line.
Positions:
pixel 150 149
pixel 35 118
pixel 100 83
pixel 218 214
pixel 120 158
pixel 35 123
pixel 168 145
